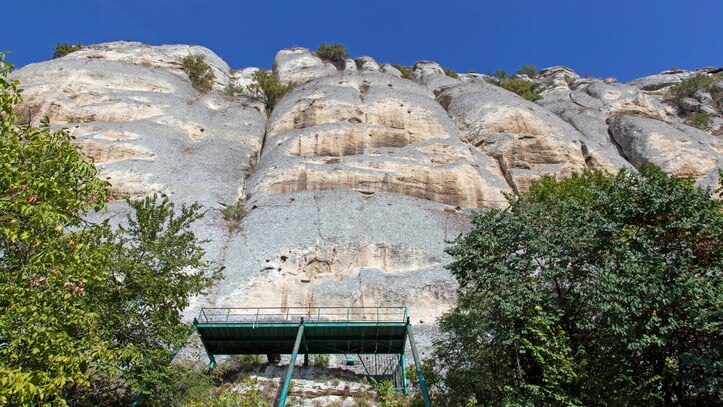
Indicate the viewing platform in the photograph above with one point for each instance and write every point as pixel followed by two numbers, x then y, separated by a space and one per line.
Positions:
pixel 311 330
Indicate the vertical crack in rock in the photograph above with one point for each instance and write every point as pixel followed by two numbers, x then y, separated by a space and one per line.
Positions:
pixel 319 237
pixel 506 173
pixel 586 155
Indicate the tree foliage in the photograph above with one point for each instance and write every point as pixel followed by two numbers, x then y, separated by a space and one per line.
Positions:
pixel 48 258
pixel 64 49
pixel 406 71
pixel 90 313
pixel 199 72
pixel 515 84
pixel 267 87
pixel 334 53
pixel 593 290
pixel 529 70
pixel 687 87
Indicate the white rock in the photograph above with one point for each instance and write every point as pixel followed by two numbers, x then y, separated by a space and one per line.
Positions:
pixel 299 65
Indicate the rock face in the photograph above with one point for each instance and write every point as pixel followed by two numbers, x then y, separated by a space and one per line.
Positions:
pixel 526 140
pixel 358 177
pixel 690 154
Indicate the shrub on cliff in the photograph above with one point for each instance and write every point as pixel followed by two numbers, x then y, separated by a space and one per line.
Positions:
pixel 267 87
pixel 701 120
pixel 199 72
pixel 64 49
pixel 592 290
pixel 522 87
pixel 529 70
pixel 406 71
pixel 451 73
pixel 687 87
pixel 334 53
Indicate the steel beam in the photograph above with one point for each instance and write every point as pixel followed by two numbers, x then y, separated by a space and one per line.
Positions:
pixel 418 364
pixel 284 390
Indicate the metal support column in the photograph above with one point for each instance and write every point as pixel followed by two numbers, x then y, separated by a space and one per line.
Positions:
pixel 418 364
pixel 284 390
pixel 211 359
pixel 402 362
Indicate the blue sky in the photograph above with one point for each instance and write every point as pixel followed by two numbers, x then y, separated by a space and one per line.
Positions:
pixel 624 39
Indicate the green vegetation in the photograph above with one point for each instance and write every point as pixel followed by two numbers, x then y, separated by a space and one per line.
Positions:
pixel 387 395
pixel 594 290
pixel 687 87
pixel 522 87
pixel 232 89
pixel 64 49
pixel 701 120
pixel 529 70
pixel 234 213
pixel 246 396
pixel 199 72
pixel 334 53
pixel 90 312
pixel 267 87
pixel 320 360
pixel 405 70
pixel 449 72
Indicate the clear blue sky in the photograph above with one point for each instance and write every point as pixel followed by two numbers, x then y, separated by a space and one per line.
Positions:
pixel 625 39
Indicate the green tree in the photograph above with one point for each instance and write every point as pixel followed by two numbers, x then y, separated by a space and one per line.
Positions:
pixel 49 258
pixel 90 314
pixel 529 70
pixel 267 87
pixel 155 265
pixel 406 71
pixel 593 290
pixel 687 87
pixel 451 73
pixel 522 87
pixel 199 72
pixel 334 53
pixel 64 49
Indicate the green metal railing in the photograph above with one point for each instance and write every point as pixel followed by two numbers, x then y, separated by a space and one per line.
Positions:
pixel 256 315
pixel 305 320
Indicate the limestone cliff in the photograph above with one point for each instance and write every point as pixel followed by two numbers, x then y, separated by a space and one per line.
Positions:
pixel 358 177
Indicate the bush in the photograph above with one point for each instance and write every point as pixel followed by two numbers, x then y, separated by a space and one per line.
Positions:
pixel 267 87
pixel 593 290
pixel 232 89
pixel 320 360
pixel 199 72
pixel 405 70
pixel 452 74
pixel 701 120
pixel 234 213
pixel 521 87
pixel 687 87
pixel 334 53
pixel 529 70
pixel 64 49
pixel 243 394
pixel 388 396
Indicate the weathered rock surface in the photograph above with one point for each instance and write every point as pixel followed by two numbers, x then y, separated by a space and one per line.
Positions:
pixel 526 140
pixel 661 80
pixel 358 177
pixel 133 109
pixel 299 65
pixel 692 153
